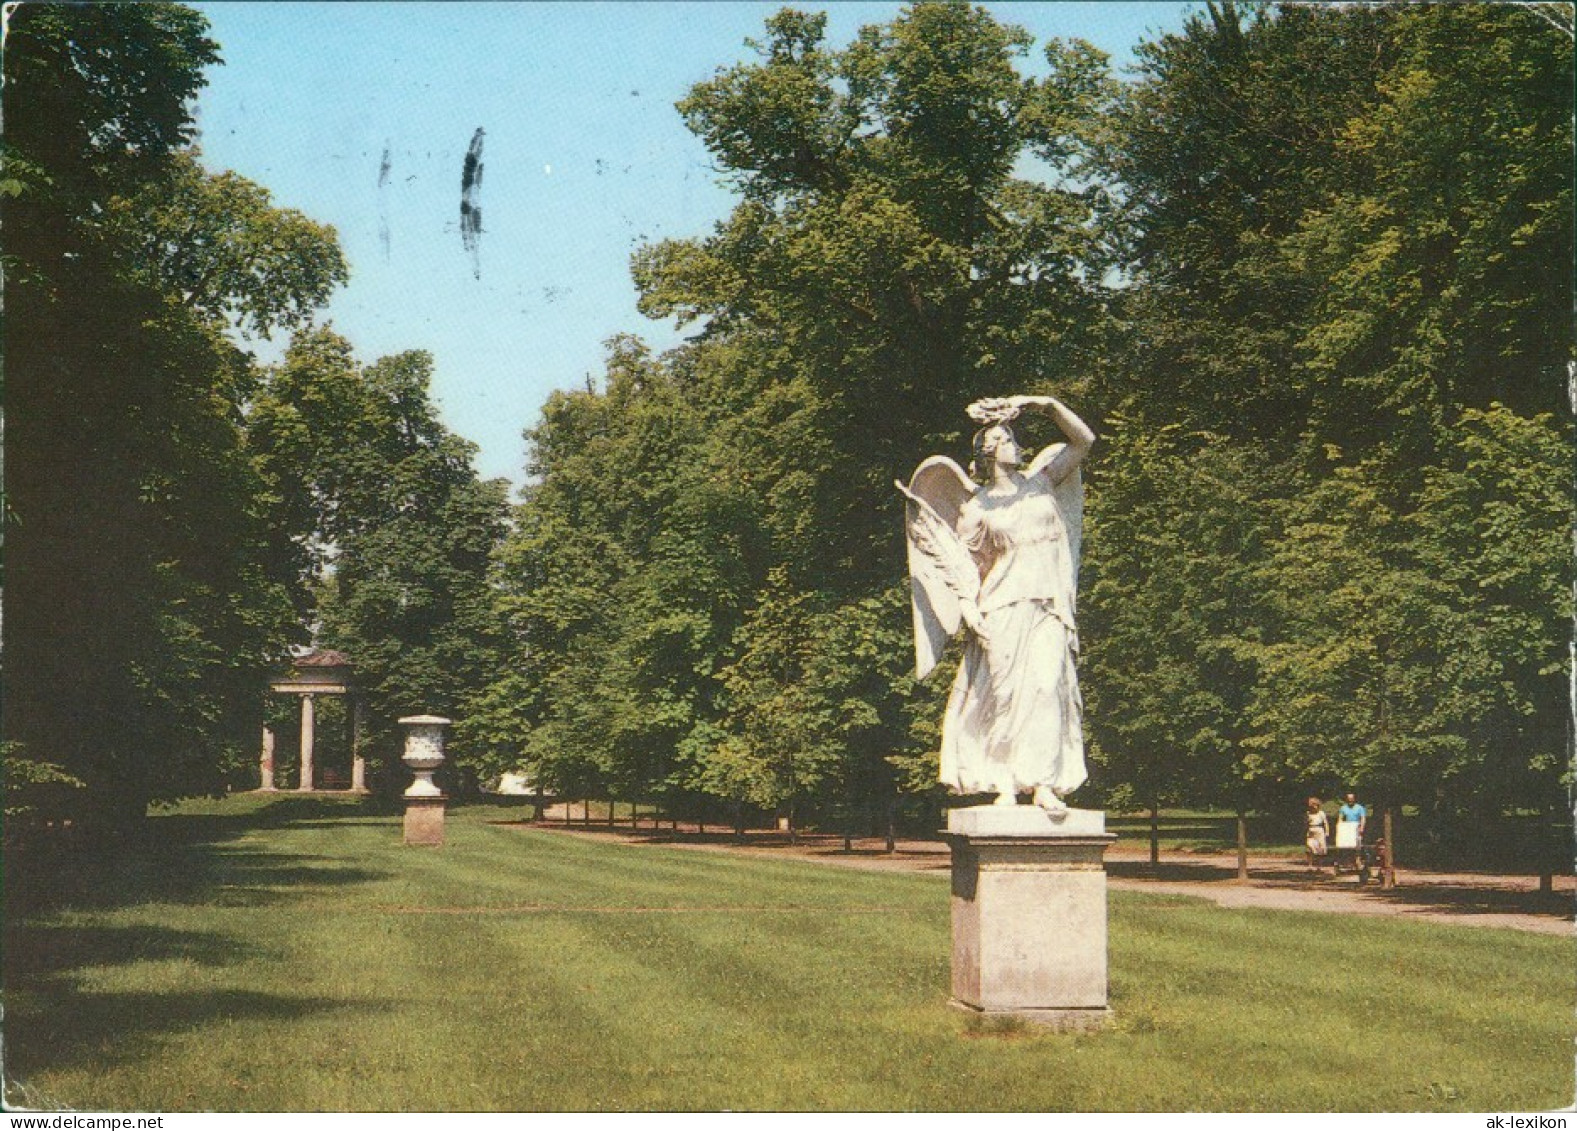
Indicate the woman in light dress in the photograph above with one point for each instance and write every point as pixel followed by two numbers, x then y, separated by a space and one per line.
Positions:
pixel 1002 558
pixel 1316 839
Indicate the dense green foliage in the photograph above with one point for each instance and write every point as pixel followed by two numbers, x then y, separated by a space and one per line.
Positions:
pixel 1340 484
pixel 1306 271
pixel 709 570
pixel 144 593
pixel 172 506
pixel 397 531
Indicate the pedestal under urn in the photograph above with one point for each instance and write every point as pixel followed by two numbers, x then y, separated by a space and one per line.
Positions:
pixel 424 801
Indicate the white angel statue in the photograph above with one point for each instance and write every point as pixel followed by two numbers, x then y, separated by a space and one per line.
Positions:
pixel 1002 558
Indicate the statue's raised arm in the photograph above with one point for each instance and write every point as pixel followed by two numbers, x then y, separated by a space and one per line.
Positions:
pixel 1002 557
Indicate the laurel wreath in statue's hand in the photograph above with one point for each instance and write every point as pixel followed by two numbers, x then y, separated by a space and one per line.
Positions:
pixel 993 410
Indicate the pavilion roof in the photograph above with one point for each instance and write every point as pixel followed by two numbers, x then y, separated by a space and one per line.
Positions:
pixel 321 658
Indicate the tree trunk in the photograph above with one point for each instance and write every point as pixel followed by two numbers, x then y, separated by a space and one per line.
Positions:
pixel 892 826
pixel 1388 861
pixel 1554 848
pixel 1155 837
pixel 1242 843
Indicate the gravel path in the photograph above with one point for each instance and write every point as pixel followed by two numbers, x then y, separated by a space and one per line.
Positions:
pixel 1463 898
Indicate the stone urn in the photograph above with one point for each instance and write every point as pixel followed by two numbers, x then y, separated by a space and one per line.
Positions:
pixel 424 752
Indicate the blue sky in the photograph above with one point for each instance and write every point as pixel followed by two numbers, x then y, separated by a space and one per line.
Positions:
pixel 360 115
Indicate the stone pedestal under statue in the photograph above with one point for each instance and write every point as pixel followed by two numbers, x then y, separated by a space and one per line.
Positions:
pixel 1029 914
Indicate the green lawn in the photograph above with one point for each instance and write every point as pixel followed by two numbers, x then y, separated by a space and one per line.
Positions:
pixel 294 955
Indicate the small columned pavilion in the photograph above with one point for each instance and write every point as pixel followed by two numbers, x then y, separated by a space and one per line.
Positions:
pixel 317 672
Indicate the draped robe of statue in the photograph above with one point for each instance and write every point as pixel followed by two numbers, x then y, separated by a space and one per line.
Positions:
pixel 1014 719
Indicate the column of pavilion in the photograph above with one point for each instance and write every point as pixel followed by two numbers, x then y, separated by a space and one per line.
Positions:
pixel 316 673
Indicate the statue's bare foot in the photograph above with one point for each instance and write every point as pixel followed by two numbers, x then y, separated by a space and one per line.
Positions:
pixel 1049 801
pixel 1006 797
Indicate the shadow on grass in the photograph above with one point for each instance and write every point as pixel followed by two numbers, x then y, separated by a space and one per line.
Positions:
pixel 42 952
pixel 1470 900
pixel 1423 891
pixel 1446 894
pixel 1212 832
pixel 1170 871
pixel 184 858
pixel 64 1027
pixel 56 1018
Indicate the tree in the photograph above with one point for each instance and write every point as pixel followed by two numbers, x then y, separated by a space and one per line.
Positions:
pixel 400 532
pixel 811 714
pixel 1176 525
pixel 1439 269
pixel 883 257
pixel 1232 130
pixel 218 246
pixel 1492 524
pixel 884 266
pixel 1321 358
pixel 1341 225
pixel 701 571
pixel 144 595
pixel 623 583
pixel 1350 683
pixel 1421 651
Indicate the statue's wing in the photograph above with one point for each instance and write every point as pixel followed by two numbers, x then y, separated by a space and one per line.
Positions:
pixel 1070 501
pixel 944 486
pixel 942 573
pixel 1069 496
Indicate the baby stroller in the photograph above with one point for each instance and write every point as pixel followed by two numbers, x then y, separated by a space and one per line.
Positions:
pixel 1349 854
pixel 1365 860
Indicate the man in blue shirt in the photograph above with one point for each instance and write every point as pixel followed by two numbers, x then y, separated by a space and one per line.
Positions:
pixel 1354 812
pixel 1350 820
